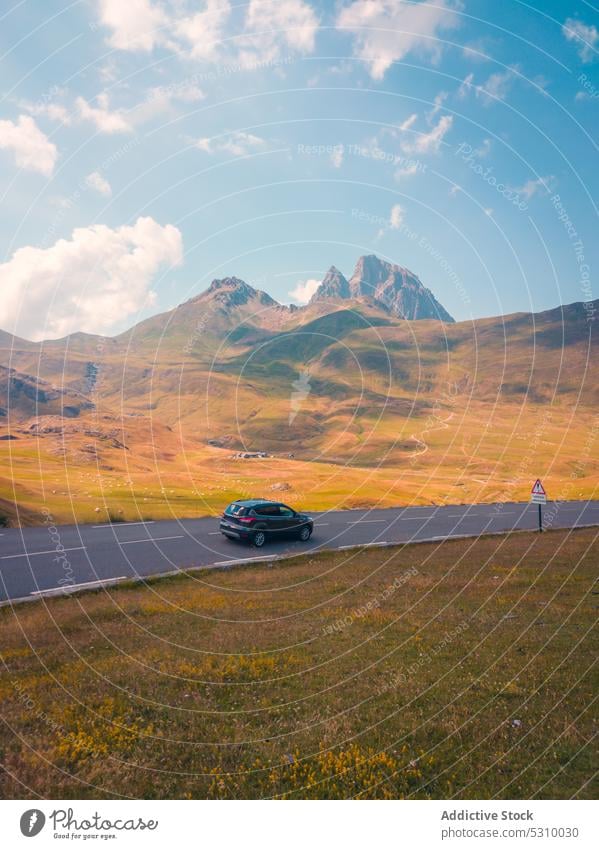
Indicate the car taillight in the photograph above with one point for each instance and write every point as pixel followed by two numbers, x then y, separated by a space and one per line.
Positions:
pixel 247 521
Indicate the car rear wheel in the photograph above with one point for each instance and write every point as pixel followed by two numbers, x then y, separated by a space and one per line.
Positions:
pixel 305 533
pixel 259 539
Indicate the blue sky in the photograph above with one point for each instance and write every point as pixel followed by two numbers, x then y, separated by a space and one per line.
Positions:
pixel 150 146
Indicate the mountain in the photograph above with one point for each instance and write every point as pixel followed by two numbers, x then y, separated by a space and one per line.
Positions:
pixel 355 404
pixel 396 287
pixel 334 285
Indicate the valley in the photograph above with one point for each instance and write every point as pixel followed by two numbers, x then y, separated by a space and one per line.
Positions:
pixel 354 405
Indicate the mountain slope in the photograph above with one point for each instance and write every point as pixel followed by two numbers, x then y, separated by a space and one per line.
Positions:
pixel 355 404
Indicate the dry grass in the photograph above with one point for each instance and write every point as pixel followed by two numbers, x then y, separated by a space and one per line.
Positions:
pixel 460 669
pixel 476 456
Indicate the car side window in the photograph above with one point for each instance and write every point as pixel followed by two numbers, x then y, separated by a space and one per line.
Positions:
pixel 287 512
pixel 267 510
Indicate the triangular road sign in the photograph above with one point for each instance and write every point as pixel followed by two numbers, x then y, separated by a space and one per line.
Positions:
pixel 538 488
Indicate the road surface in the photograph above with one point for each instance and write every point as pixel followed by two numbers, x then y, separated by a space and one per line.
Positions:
pixel 41 560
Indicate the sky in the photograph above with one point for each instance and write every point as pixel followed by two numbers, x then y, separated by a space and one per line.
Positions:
pixel 150 146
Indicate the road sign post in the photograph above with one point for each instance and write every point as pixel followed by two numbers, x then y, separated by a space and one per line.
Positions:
pixel 538 496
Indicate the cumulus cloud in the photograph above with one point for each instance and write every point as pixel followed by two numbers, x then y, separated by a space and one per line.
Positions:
pixel 270 26
pixel 101 116
pixel 99 183
pixel 265 30
pixel 235 144
pixel 203 31
pixel 32 149
pixel 89 282
pixel 304 290
pixel 135 25
pixel 584 36
pixel 387 30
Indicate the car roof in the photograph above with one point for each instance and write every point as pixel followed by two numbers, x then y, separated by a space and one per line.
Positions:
pixel 252 502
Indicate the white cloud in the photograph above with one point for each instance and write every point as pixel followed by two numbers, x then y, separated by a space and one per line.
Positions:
pixel 89 282
pixel 203 31
pixel 407 170
pixel 337 156
pixel 135 24
pixel 158 99
pixel 540 184
pixel 396 217
pixel 585 37
pixel 304 290
pixel 428 142
pixel 466 86
pixel 267 27
pixel 235 144
pixel 396 220
pixel 409 122
pixel 437 104
pixel 185 92
pixel 496 87
pixel 387 30
pixel 54 111
pixel 97 182
pixel 32 149
pixel 100 115
pixel 484 149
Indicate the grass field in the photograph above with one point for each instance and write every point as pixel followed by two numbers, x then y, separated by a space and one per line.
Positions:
pixel 471 456
pixel 462 669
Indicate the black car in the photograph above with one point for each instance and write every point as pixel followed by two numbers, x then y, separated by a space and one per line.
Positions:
pixel 257 520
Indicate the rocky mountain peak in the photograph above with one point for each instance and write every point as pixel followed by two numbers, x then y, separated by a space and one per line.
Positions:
pixel 395 287
pixel 232 292
pixel 334 285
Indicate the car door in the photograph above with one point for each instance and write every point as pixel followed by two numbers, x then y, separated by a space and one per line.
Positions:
pixel 269 515
pixel 288 518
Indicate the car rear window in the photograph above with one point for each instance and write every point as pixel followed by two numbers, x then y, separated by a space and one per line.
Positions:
pixel 236 510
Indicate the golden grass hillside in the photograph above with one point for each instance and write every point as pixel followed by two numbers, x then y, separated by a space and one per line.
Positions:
pixel 465 669
pixel 355 408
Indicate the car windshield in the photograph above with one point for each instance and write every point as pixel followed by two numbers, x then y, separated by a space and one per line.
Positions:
pixel 236 510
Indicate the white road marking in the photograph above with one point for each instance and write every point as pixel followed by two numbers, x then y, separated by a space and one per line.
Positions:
pixel 320 524
pixel 365 521
pixel 68 587
pixel 415 518
pixel 35 553
pixel 149 539
pixel 123 524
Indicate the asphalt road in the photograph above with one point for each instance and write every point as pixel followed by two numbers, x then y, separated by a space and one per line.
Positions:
pixel 43 560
